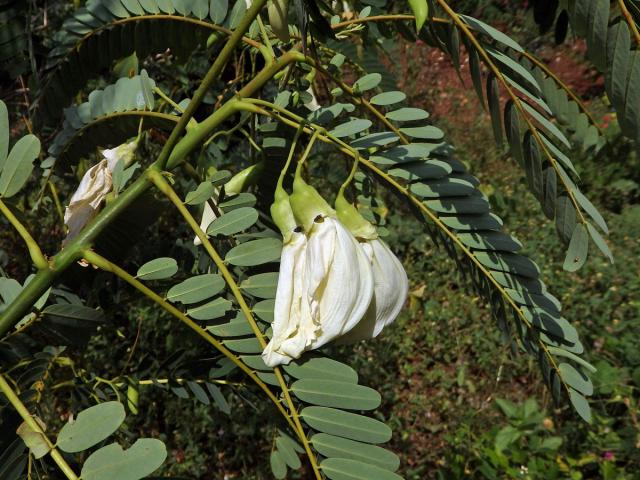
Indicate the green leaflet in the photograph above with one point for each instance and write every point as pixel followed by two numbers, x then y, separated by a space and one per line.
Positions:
pixel 18 165
pixel 321 368
pixel 4 134
pixel 287 450
pixel 262 285
pixel 264 310
pixel 497 35
pixel 581 405
pixel 278 465
pixel 352 127
pixel 347 469
pixel 158 269
pixel 201 194
pixel 218 10
pixel 378 139
pixel 493 98
pixel 329 393
pixel 347 425
pixel 368 82
pixel 210 310
pixel 90 427
pixel 142 459
pixel 388 98
pixel 578 249
pixel 245 345
pixel 255 252
pixel 196 289
pixel 336 447
pixel 233 222
pixel 407 114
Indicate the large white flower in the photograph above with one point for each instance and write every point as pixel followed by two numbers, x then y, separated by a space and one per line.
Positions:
pixel 325 285
pixel 94 187
pixel 391 287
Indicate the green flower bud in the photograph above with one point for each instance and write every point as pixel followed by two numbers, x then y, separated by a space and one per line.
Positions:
pixel 244 179
pixel 278 12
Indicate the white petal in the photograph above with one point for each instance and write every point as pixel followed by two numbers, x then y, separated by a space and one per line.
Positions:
pixel 324 289
pixel 124 152
pixel 288 308
pixel 341 298
pixel 94 187
pixel 208 216
pixel 391 285
pixel 391 289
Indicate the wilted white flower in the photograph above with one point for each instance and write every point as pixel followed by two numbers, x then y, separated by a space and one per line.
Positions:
pixel 325 285
pixel 94 187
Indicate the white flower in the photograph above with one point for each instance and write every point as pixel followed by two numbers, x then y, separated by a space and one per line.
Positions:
pixel 390 291
pixel 94 187
pixel 325 285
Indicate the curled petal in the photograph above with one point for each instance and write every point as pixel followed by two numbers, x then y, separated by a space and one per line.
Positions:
pixel 289 308
pixel 94 187
pixel 340 281
pixel 391 290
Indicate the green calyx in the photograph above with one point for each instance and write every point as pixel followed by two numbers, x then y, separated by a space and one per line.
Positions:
pixel 353 220
pixel 282 214
pixel 244 179
pixel 307 204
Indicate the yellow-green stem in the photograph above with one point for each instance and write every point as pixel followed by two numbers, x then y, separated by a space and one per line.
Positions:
pixel 22 410
pixel 104 264
pixel 35 253
pixel 516 102
pixel 162 185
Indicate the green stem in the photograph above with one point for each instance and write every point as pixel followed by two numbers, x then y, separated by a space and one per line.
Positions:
pixel 211 76
pixel 37 257
pixel 165 188
pixel 71 253
pixel 104 264
pixel 287 164
pixel 198 134
pixel 15 401
pixel 307 151
pixel 168 99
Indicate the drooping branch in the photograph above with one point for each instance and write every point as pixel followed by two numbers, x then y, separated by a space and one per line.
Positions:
pixel 166 189
pixel 104 264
